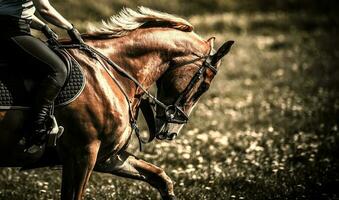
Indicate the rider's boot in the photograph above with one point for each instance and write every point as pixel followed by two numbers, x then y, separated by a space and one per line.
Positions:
pixel 47 92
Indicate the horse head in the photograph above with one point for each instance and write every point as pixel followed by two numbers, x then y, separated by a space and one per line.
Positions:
pixel 186 80
pixel 164 49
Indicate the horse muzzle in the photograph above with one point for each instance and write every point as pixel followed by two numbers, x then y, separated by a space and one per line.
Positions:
pixel 166 136
pixel 165 130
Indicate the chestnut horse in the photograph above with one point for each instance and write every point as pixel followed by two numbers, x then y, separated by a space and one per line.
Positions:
pixel 152 47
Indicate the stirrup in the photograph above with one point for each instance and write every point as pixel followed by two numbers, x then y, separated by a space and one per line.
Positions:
pixel 55 132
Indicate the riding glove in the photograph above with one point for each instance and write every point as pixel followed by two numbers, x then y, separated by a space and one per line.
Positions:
pixel 75 36
pixel 49 33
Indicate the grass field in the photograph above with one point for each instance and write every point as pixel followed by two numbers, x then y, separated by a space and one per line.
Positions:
pixel 267 128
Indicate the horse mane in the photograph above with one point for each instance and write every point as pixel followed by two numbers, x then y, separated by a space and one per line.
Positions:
pixel 129 20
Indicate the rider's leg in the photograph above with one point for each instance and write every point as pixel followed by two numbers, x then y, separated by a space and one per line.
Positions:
pixel 47 62
pixel 44 98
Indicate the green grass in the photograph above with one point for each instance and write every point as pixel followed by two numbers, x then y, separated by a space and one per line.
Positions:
pixel 267 128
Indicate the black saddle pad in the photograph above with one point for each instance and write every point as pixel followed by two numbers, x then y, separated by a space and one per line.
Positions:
pixel 16 92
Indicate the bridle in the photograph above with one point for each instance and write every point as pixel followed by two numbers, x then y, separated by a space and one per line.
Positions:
pixel 174 112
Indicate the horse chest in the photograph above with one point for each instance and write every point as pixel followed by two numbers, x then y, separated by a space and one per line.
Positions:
pixel 116 131
pixel 114 141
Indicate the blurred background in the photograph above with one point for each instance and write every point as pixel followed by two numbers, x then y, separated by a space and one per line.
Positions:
pixel 267 128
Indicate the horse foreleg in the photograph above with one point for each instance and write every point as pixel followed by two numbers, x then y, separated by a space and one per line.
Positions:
pixel 127 165
pixel 77 168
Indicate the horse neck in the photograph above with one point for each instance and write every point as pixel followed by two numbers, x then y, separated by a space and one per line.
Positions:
pixel 144 58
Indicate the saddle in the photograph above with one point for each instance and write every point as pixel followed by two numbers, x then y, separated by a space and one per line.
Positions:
pixel 17 91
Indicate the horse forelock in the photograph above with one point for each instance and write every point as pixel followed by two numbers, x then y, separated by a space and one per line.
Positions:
pixel 129 20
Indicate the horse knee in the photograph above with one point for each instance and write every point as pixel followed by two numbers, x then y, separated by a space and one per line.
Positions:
pixel 166 190
pixel 166 178
pixel 163 182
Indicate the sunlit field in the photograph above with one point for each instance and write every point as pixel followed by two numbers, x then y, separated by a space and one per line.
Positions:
pixel 266 129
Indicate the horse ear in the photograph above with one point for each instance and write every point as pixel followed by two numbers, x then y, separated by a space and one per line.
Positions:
pixel 222 51
pixel 211 42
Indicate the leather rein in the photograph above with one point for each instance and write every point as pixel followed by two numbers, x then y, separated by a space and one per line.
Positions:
pixel 173 113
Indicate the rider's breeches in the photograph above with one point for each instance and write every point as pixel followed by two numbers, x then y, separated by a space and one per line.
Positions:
pixel 36 58
pixel 28 54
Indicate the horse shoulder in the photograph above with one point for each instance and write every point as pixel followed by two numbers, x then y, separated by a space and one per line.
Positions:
pixel 101 111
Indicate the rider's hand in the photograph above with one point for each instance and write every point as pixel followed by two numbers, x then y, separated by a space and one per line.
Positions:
pixel 49 33
pixel 75 36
